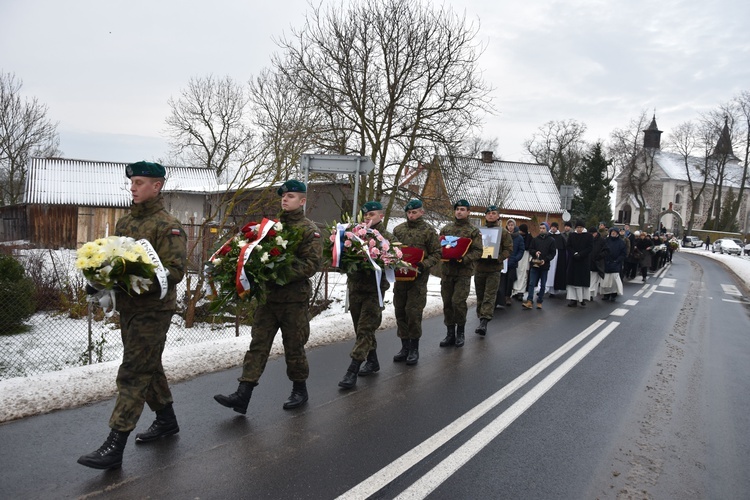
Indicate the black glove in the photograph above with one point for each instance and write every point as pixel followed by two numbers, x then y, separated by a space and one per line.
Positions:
pixel 420 267
pixel 90 290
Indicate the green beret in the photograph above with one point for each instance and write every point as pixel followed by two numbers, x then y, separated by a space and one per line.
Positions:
pixel 412 205
pixel 370 206
pixel 491 208
pixel 145 169
pixel 292 186
pixel 461 203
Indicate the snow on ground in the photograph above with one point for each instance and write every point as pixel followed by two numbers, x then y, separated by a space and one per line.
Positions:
pixel 739 265
pixel 71 387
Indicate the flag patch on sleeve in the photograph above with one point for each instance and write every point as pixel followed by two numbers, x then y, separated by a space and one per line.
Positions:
pixel 316 234
pixel 176 231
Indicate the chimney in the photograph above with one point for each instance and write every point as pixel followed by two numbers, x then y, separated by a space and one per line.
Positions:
pixel 486 156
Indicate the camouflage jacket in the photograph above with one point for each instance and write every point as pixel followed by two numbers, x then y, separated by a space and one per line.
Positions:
pixel 419 234
pixel 151 221
pixel 463 229
pixel 506 247
pixel 307 261
pixel 364 281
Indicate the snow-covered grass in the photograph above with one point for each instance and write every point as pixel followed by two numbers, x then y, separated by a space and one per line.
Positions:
pixel 740 265
pixel 70 387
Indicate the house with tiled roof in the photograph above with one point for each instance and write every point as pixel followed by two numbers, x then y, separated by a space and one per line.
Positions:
pixel 523 190
pixel 667 192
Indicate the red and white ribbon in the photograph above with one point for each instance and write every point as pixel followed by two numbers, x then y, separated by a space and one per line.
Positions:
pixel 242 281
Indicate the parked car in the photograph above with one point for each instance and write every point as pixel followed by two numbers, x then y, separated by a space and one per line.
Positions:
pixel 691 241
pixel 725 245
pixel 747 249
pixel 738 241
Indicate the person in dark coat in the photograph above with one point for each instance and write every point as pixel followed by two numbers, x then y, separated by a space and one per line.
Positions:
pixel 596 262
pixel 559 267
pixel 643 247
pixel 614 257
pixel 578 280
pixel 542 251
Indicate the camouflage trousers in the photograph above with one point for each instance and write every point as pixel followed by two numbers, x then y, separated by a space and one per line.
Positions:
pixel 294 321
pixel 485 286
pixel 409 301
pixel 455 291
pixel 366 315
pixel 141 377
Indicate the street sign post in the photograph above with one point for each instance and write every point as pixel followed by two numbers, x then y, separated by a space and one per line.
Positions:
pixel 339 164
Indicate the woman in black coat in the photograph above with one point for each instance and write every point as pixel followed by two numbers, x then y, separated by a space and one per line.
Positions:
pixel 578 277
pixel 615 252
pixel 643 246
pixel 597 263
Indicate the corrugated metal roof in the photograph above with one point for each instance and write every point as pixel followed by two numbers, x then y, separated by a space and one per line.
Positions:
pixel 532 188
pixel 62 181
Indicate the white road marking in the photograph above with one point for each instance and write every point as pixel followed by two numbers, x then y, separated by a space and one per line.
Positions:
pixel 734 301
pixel 390 472
pixel 668 282
pixel 651 291
pixel 731 290
pixel 663 291
pixel 631 302
pixel 619 312
pixel 441 472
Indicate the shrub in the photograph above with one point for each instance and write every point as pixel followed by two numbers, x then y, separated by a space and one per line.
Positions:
pixel 16 295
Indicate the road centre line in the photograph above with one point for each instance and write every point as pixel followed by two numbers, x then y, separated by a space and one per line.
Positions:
pixel 390 472
pixel 619 312
pixel 450 464
pixel 663 291
pixel 650 292
pixel 631 302
pixel 734 301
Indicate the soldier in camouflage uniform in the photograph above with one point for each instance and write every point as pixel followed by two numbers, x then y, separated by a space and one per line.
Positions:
pixel 144 320
pixel 410 297
pixel 287 308
pixel 488 273
pixel 456 275
pixel 364 307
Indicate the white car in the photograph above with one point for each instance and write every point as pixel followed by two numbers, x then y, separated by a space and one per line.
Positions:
pixel 725 245
pixel 692 241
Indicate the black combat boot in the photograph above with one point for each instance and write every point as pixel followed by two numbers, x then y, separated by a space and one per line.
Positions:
pixel 109 455
pixel 298 396
pixel 482 328
pixel 413 356
pixel 460 335
pixel 403 353
pixel 239 400
pixel 371 365
pixel 350 377
pixel 164 425
pixel 449 339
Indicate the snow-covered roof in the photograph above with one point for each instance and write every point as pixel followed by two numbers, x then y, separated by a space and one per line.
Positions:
pixel 673 166
pixel 62 181
pixel 531 187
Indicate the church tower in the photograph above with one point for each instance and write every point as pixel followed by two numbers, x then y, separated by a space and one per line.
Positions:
pixel 652 136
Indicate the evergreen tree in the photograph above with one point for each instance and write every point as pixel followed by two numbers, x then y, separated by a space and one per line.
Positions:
pixel 592 199
pixel 726 220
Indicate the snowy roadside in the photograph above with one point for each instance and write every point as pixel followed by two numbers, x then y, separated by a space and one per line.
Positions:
pixel 71 387
pixel 738 265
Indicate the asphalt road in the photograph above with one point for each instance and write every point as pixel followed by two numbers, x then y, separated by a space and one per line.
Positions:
pixel 646 397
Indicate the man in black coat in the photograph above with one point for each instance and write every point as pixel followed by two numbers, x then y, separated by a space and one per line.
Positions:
pixel 579 246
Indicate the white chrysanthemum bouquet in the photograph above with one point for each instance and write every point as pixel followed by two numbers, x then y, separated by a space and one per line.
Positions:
pixel 116 261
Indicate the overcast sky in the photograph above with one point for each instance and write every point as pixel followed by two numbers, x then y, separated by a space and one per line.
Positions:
pixel 106 69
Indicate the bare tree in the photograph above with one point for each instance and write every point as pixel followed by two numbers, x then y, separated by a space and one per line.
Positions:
pixel 473 147
pixel 560 146
pixel 25 131
pixel 396 81
pixel 497 193
pixel 741 106
pixel 687 140
pixel 208 126
pixel 635 162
